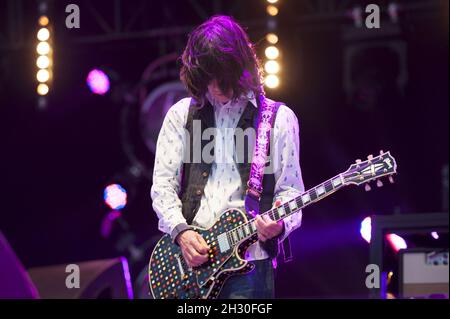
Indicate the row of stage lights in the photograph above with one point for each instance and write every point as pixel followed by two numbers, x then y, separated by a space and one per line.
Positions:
pixel 272 53
pixel 44 61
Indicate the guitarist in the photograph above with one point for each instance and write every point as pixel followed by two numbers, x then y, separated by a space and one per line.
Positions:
pixel 222 74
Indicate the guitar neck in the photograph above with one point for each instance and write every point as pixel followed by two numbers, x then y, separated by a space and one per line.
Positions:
pixel 315 194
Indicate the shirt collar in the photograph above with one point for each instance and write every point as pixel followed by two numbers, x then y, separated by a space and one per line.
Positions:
pixel 249 96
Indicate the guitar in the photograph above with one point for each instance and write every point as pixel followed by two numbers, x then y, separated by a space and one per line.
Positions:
pixel 233 233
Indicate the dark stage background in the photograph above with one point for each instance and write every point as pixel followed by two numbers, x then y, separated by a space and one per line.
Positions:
pixel 56 162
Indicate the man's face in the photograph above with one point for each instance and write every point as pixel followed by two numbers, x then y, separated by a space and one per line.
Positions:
pixel 217 94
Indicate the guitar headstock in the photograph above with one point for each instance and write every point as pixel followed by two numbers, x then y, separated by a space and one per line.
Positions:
pixel 372 169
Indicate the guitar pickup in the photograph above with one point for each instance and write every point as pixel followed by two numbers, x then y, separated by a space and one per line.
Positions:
pixel 222 240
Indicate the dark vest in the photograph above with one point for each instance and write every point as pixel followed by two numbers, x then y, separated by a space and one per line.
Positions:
pixel 195 175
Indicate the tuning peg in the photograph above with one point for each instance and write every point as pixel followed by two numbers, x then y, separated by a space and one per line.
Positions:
pixel 379 183
pixel 367 188
pixel 358 161
pixel 381 152
pixel 370 157
pixel 391 179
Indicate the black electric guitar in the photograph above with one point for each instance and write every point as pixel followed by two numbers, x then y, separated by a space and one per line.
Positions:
pixel 233 233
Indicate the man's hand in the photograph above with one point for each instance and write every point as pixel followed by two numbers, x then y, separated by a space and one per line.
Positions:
pixel 267 228
pixel 194 248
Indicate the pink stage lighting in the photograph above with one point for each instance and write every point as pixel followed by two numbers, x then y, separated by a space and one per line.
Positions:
pixel 435 235
pixel 396 242
pixel 98 82
pixel 115 196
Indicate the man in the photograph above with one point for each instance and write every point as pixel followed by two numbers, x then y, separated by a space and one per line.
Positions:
pixel 222 75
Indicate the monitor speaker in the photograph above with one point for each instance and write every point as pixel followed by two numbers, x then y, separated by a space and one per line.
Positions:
pixel 98 279
pixel 15 283
pixel 424 273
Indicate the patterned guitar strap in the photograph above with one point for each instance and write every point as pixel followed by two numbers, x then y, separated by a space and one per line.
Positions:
pixel 266 117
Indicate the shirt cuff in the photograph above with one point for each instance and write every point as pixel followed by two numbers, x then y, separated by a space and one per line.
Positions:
pixel 178 230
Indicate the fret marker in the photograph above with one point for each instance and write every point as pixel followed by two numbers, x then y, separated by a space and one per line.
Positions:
pixel 293 205
pixel 336 181
pixel 233 233
pixel 240 234
pixel 320 190
pixel 281 211
pixel 305 198
pixel 246 230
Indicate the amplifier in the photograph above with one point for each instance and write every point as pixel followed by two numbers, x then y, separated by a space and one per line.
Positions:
pixel 423 273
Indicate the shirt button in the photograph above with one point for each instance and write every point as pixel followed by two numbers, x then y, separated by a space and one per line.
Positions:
pixel 198 192
pixel 205 174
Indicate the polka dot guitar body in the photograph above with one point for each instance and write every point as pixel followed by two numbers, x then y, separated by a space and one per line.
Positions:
pixel 171 278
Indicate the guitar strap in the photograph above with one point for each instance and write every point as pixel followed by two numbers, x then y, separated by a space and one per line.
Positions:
pixel 265 120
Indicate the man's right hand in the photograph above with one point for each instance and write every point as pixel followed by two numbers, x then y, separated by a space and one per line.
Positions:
pixel 194 248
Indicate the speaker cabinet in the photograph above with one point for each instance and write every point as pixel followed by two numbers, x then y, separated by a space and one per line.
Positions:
pixel 98 279
pixel 15 283
pixel 424 273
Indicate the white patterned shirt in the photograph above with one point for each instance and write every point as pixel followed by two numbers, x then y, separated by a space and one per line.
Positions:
pixel 223 188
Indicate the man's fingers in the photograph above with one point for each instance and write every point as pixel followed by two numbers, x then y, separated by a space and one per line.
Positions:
pixel 203 248
pixel 193 258
pixel 267 219
pixel 196 244
pixel 260 223
pixel 261 226
pixel 198 251
pixel 198 259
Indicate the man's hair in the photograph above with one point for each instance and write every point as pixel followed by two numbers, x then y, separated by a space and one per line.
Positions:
pixel 220 49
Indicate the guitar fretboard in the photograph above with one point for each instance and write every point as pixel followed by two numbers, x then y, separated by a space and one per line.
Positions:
pixel 315 194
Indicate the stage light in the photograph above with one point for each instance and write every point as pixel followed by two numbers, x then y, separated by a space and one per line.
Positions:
pixel 396 242
pixel 272 81
pixel 272 52
pixel 43 21
pixel 43 76
pixel 366 229
pixel 272 38
pixel 272 10
pixel 43 34
pixel 43 62
pixel 43 48
pixel 435 235
pixel 98 82
pixel 115 196
pixel 272 67
pixel 44 57
pixel 42 89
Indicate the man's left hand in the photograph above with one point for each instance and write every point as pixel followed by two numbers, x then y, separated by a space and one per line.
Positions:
pixel 267 228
